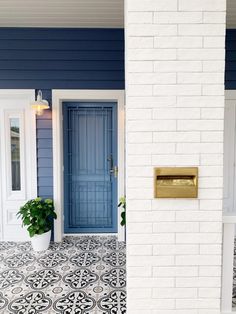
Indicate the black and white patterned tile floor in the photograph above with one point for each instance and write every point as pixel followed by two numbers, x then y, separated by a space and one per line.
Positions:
pixel 80 275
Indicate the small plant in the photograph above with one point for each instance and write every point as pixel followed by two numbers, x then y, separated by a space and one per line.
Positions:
pixel 122 204
pixel 38 215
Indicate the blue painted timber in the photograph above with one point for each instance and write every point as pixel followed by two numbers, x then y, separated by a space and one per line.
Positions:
pixel 230 65
pixel 58 58
pixel 44 151
pixel 90 151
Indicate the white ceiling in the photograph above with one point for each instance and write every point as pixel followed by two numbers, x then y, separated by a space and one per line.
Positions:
pixel 74 13
pixel 231 14
pixel 62 13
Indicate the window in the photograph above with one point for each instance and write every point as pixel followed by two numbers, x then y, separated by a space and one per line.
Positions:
pixel 15 154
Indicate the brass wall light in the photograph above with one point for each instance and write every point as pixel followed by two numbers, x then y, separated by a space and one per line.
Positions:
pixel 40 104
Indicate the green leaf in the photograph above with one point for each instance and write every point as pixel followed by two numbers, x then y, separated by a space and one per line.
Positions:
pixel 123 217
pixel 30 228
pixel 26 221
pixel 54 215
pixel 122 199
pixel 32 233
pixel 41 222
pixel 38 215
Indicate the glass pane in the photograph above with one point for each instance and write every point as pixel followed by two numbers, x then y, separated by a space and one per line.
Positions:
pixel 15 154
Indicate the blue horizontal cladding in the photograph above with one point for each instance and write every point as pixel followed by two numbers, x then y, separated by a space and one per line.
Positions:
pixel 43 134
pixel 59 58
pixel 45 192
pixel 231 55
pixel 45 153
pixel 46 172
pixel 66 65
pixel 82 76
pixel 44 150
pixel 66 34
pixel 67 84
pixel 230 65
pixel 44 124
pixel 57 45
pixel 45 181
pixel 45 142
pixel 44 162
pixel 60 55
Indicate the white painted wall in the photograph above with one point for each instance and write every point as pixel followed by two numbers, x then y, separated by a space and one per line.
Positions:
pixel 175 111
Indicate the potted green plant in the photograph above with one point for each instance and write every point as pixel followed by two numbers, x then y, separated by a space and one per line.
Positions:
pixel 122 204
pixel 37 215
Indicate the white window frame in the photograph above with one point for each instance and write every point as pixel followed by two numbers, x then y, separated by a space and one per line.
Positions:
pixel 21 194
pixel 58 97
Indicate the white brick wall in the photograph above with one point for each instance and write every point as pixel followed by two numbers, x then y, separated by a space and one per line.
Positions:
pixel 175 99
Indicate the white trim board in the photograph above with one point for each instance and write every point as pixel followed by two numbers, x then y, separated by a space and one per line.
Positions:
pixel 58 97
pixel 16 104
pixel 229 200
pixel 230 94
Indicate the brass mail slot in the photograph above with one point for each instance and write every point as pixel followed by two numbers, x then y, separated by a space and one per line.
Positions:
pixel 176 182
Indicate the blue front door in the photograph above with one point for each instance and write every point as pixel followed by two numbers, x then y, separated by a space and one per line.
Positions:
pixel 90 160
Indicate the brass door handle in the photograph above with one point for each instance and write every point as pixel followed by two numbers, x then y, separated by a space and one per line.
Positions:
pixel 114 171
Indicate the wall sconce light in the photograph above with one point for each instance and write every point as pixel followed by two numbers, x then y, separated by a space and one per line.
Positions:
pixel 40 104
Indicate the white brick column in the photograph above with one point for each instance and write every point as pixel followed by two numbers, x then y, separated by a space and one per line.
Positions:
pixel 175 111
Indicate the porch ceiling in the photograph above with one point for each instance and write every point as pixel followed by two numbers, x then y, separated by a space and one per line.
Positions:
pixel 231 14
pixel 62 13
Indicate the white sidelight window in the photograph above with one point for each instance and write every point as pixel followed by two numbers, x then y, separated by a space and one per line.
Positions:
pixel 18 179
pixel 15 146
pixel 15 141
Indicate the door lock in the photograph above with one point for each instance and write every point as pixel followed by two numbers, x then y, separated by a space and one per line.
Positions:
pixel 114 171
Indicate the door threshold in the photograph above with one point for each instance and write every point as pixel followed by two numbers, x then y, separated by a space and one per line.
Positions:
pixel 89 234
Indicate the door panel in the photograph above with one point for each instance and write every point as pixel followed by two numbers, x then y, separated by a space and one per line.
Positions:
pixel 89 154
pixel 18 177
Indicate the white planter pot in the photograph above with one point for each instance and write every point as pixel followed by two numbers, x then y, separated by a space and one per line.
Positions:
pixel 40 242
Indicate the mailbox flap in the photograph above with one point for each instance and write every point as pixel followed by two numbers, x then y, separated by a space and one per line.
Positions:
pixel 176 182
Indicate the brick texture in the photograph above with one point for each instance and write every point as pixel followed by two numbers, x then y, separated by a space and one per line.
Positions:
pixel 175 99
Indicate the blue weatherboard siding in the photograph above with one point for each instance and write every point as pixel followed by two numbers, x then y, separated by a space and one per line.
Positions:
pixel 57 58
pixel 44 150
pixel 61 58
pixel 230 66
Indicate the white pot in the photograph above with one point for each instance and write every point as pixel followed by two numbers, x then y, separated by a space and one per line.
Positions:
pixel 40 242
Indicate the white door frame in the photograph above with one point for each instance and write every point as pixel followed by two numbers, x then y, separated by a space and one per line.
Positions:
pixel 229 202
pixel 16 104
pixel 58 97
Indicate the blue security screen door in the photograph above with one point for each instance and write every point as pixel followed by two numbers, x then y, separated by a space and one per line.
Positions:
pixel 90 160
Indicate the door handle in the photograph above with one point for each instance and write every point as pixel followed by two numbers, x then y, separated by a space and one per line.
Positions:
pixel 114 171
